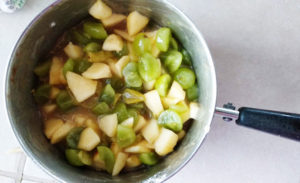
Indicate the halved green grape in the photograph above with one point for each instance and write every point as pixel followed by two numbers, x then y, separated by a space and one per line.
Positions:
pixel 79 38
pixel 125 136
pixel 121 111
pixel 131 75
pixel 64 101
pixel 180 107
pixel 85 158
pixel 107 156
pixel 186 58
pixel 123 52
pixel 185 77
pixel 170 120
pixel 133 113
pixel 68 66
pixel 131 96
pixel 172 60
pixel 149 158
pixel 43 69
pixel 72 157
pixel 163 84
pixel 116 83
pixel 192 93
pixel 141 44
pixel 108 94
pixel 163 38
pixel 73 137
pixel 92 47
pixel 81 66
pixel 42 93
pixel 95 30
pixel 174 44
pixel 140 105
pixel 101 108
pixel 149 67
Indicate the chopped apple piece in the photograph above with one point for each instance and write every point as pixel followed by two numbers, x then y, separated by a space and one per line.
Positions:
pixel 113 20
pixel 176 92
pixel 140 147
pixel 88 140
pixel 56 76
pixel 113 43
pixel 136 22
pixel 194 110
pixel 149 85
pixel 100 10
pixel 100 56
pixel 49 108
pixel 73 51
pixel 185 116
pixel 82 88
pixel 121 63
pixel 62 132
pixel 97 71
pixel 94 125
pixel 128 122
pixel 79 119
pixel 115 148
pixel 120 163
pixel 124 35
pixel 181 134
pixel 54 92
pixel 108 124
pixel 98 163
pixel 165 142
pixel 167 102
pixel 51 126
pixel 140 124
pixel 133 161
pixel 151 131
pixel 153 102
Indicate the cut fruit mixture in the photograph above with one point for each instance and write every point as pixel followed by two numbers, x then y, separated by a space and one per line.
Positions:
pixel 116 94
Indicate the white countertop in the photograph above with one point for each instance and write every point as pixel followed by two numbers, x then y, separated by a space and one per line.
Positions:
pixel 256 49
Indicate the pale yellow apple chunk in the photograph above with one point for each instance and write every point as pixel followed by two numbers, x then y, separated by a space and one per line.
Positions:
pixel 113 20
pixel 82 88
pixel 56 76
pixel 153 102
pixel 88 140
pixel 113 43
pixel 100 10
pixel 121 63
pixel 194 110
pixel 176 93
pixel 51 126
pixel 151 131
pixel 136 22
pixel 73 51
pixel 140 124
pixel 108 124
pixel 124 35
pixel 49 108
pixel 133 161
pixel 141 147
pixel 128 122
pixel 115 148
pixel 120 163
pixel 166 142
pixel 97 71
pixel 62 132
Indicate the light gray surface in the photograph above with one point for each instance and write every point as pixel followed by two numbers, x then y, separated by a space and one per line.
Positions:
pixel 256 48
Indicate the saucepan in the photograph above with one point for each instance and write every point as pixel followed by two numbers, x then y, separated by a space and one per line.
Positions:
pixel 40 36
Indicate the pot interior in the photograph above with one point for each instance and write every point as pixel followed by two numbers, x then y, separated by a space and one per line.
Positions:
pixel 41 35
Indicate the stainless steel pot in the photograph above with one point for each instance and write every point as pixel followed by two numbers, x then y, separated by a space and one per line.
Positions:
pixel 40 36
pixel 37 40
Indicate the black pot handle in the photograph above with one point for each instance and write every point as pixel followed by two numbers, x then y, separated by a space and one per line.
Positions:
pixel 278 123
